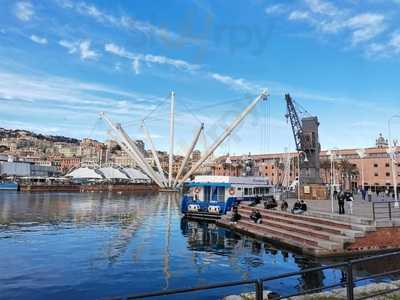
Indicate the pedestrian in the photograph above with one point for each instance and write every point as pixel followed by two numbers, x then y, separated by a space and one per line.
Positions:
pixel 349 200
pixel 363 193
pixel 369 195
pixel 335 194
pixel 341 196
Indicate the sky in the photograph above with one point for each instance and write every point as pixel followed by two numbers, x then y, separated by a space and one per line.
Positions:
pixel 62 62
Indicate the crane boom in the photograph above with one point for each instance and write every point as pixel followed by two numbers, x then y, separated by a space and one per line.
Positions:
pixel 297 128
pixel 305 132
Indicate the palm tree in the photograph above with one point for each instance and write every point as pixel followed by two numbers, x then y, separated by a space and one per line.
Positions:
pixel 326 166
pixel 348 170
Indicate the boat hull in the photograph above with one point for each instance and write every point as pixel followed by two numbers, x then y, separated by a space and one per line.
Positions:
pixel 9 186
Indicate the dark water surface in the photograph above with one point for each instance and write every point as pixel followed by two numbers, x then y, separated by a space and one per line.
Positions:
pixel 99 245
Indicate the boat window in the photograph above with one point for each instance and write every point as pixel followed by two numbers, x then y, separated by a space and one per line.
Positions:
pixel 246 191
pixel 256 191
pixel 262 190
pixel 250 191
pixel 221 194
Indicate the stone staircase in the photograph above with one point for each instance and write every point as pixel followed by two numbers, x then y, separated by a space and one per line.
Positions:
pixel 316 233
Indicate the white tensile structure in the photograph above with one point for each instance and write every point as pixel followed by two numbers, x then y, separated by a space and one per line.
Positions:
pixel 109 173
pixel 128 145
pixel 84 173
pixel 113 173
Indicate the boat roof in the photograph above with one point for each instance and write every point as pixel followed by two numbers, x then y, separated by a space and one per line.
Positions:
pixel 206 180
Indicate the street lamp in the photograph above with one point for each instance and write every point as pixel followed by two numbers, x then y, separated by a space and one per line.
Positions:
pixel 361 153
pixel 333 157
pixel 298 167
pixel 392 155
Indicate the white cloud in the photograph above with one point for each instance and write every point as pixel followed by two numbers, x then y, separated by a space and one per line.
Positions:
pixel 366 26
pixel 358 29
pixel 86 52
pixel 236 83
pixel 322 7
pixel 125 22
pixel 136 66
pixel 275 9
pixel 24 11
pixel 385 49
pixel 71 46
pixel 38 39
pixel 149 58
pixel 81 47
pixel 299 15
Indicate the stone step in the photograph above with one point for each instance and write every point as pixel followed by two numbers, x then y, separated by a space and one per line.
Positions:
pixel 318 233
pixel 342 218
pixel 279 233
pixel 350 233
pixel 314 220
pixel 305 246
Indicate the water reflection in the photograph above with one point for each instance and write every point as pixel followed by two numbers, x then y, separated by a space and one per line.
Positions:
pixel 98 245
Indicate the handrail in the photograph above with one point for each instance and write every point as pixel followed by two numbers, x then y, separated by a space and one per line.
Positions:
pixel 259 283
pixel 387 210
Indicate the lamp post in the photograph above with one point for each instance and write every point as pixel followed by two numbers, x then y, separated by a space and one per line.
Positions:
pixel 392 155
pixel 298 168
pixel 361 153
pixel 332 156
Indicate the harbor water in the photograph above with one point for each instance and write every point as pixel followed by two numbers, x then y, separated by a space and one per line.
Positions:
pixel 100 245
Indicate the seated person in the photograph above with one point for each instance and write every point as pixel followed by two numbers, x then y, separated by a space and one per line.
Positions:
pixel 256 201
pixel 256 216
pixel 235 217
pixel 303 206
pixel 284 205
pixel 270 203
pixel 299 207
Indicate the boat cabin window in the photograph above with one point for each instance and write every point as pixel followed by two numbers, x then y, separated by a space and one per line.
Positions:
pixel 214 193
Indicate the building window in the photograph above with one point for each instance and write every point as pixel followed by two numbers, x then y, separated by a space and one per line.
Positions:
pixel 387 165
pixel 387 174
pixel 376 174
pixel 375 165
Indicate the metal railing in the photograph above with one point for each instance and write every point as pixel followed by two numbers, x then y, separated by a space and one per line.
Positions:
pixel 385 210
pixel 346 267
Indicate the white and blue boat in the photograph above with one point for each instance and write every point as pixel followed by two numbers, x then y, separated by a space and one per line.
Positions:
pixel 209 197
pixel 8 186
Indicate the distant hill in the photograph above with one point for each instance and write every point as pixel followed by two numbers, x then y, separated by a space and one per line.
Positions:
pixel 6 133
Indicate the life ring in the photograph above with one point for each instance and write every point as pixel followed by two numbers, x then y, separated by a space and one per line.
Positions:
pixel 232 191
pixel 197 190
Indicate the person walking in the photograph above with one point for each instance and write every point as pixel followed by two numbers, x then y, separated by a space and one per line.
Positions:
pixel 363 193
pixel 349 200
pixel 369 195
pixel 341 196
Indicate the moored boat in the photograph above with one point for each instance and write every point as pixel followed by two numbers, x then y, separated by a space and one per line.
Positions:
pixel 8 186
pixel 209 197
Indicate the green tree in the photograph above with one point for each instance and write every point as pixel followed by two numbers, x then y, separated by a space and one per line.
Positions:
pixel 347 171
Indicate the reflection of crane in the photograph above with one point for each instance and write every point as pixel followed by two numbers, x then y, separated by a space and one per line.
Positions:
pixel 305 132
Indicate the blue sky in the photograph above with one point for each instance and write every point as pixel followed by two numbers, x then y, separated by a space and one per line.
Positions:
pixel 62 62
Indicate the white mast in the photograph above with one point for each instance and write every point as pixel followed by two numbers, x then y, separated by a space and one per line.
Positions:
pixel 154 152
pixel 224 135
pixel 189 152
pixel 126 143
pixel 171 138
